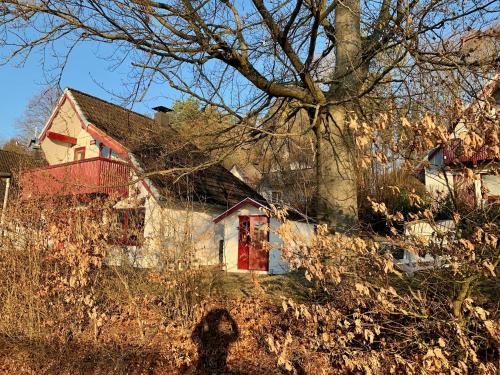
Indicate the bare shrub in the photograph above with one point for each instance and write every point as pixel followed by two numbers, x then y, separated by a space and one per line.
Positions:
pixel 56 288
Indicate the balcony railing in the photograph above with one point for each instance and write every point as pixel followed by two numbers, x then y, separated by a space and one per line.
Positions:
pixel 87 176
pixel 455 154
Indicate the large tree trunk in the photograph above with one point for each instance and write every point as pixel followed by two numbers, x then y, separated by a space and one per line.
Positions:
pixel 336 169
pixel 337 184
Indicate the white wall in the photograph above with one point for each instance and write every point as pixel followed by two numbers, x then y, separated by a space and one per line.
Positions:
pixel 436 233
pixel 438 182
pixel 491 184
pixel 176 236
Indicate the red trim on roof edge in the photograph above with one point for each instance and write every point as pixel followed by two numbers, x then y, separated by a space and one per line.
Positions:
pixel 54 114
pixel 99 135
pixel 82 122
pixel 117 147
pixel 62 138
pixel 236 207
pixel 63 99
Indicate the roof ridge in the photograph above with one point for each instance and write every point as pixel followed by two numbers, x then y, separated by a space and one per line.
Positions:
pixel 108 102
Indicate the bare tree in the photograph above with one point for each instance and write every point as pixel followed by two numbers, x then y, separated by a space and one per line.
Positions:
pixel 243 57
pixel 36 113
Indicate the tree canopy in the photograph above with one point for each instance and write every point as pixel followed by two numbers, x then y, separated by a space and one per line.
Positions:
pixel 325 57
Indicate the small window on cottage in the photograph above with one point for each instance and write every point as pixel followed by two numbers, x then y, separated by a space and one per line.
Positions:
pixel 245 232
pixel 104 152
pixel 397 252
pixel 130 226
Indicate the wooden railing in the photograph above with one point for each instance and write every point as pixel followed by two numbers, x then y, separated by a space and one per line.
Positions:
pixel 94 175
pixel 455 154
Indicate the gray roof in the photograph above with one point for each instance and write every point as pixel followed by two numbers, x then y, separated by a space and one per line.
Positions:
pixel 12 162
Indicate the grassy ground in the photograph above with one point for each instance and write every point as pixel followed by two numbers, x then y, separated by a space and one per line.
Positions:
pixel 271 288
pixel 218 284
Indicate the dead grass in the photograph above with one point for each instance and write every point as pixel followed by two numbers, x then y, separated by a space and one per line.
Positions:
pixel 140 337
pixel 271 288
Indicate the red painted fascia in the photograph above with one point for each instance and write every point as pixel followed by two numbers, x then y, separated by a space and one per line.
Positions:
pixel 102 137
pixel 56 112
pixel 62 138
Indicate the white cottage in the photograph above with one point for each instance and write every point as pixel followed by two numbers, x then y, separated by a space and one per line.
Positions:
pixel 196 211
pixel 441 171
pixel 252 233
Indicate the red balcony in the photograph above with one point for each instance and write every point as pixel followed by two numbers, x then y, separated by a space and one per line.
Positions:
pixel 87 176
pixel 455 154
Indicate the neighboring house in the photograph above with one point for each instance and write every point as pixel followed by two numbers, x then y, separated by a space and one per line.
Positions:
pixel 10 164
pixel 437 233
pixel 97 148
pixel 294 187
pixel 442 169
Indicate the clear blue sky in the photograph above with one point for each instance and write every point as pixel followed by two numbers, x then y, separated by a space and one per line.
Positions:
pixel 84 71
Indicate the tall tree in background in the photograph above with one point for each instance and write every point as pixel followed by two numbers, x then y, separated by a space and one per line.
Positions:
pixel 245 57
pixel 32 121
pixel 36 113
pixel 13 145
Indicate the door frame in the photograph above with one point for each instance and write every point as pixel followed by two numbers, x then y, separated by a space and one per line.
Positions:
pixel 243 256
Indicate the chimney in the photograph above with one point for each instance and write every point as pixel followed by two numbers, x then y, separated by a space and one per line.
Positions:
pixel 162 115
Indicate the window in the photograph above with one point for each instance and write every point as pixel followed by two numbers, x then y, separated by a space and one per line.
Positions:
pixel 276 196
pixel 105 151
pixel 245 232
pixel 130 226
pixel 397 252
pixel 259 234
pixel 79 153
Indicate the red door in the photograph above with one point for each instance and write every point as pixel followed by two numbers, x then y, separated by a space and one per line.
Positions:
pixel 252 245
pixel 244 242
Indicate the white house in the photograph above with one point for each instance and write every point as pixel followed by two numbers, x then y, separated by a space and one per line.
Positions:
pixel 441 171
pixel 192 211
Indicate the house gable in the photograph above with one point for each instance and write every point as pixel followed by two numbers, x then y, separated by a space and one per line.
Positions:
pixel 63 132
pixel 68 129
pixel 145 144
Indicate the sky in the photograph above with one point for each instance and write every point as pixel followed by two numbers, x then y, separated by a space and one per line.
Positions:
pixel 85 72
